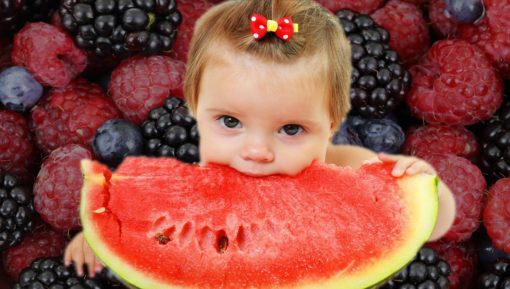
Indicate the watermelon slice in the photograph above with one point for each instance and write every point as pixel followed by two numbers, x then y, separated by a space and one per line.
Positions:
pixel 159 223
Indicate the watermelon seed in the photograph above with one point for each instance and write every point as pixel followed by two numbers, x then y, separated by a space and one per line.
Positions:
pixel 222 244
pixel 100 210
pixel 162 239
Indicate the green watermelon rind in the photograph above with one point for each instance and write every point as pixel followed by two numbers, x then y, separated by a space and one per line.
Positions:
pixel 422 185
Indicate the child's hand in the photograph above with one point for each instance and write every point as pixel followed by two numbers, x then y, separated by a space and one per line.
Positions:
pixel 404 164
pixel 79 251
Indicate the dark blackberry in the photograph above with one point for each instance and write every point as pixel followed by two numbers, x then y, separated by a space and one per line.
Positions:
pixel 121 28
pixel 495 143
pixel 15 13
pixel 16 211
pixel 496 278
pixel 379 80
pixel 50 272
pixel 426 271
pixel 171 131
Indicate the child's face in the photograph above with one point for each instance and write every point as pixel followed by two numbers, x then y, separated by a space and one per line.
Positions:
pixel 262 118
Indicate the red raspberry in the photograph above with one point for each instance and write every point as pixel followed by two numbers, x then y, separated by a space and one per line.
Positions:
pixel 442 24
pixel 492 33
pixel 430 139
pixel 462 259
pixel 16 151
pixel 496 215
pixel 191 10
pixel 454 83
pixel 57 187
pixel 49 54
pixel 468 185
pixel 140 84
pixel 71 115
pixel 416 2
pixel 42 242
pixel 360 6
pixel 408 30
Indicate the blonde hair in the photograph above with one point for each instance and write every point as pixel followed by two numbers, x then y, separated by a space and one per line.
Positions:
pixel 319 33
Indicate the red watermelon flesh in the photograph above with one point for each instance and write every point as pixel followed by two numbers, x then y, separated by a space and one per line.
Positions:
pixel 159 223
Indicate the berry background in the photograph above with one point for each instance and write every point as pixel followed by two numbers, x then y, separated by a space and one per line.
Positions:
pixel 431 79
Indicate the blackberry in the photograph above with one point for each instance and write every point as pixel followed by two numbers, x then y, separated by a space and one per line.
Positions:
pixel 426 271
pixel 379 80
pixel 496 278
pixel 50 272
pixel 172 132
pixel 15 13
pixel 16 212
pixel 120 28
pixel 495 143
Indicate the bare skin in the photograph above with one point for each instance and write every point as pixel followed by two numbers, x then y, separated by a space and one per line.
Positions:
pixel 264 118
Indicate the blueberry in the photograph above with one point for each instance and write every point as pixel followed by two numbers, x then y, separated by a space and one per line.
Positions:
pixel 382 135
pixel 116 139
pixel 466 11
pixel 347 133
pixel 19 90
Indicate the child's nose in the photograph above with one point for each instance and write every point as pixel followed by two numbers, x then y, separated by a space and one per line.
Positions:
pixel 257 151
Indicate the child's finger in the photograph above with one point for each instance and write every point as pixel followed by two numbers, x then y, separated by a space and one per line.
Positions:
pixel 67 256
pixel 78 260
pixel 99 266
pixel 421 167
pixel 401 166
pixel 388 158
pixel 90 259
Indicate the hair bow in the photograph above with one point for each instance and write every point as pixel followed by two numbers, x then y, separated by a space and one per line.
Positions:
pixel 284 28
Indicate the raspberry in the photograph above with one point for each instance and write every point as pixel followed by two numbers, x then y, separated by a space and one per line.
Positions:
pixel 43 242
pixel 16 150
pixel 496 215
pixel 191 10
pixel 409 34
pixel 140 84
pixel 468 185
pixel 442 24
pixel 492 33
pixel 416 2
pixel 454 83
pixel 360 6
pixel 49 54
pixel 462 259
pixel 430 139
pixel 57 187
pixel 71 115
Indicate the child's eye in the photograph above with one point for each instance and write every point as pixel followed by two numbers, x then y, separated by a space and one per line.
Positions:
pixel 292 129
pixel 229 121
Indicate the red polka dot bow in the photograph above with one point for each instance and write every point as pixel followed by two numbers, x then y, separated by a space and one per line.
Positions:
pixel 284 28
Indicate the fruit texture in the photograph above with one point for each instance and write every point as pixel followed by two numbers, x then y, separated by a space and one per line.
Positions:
pixel 140 84
pixel 57 187
pixel 491 33
pixel 171 131
pixel 454 84
pixel 49 54
pixel 71 115
pixel 409 34
pixel 109 28
pixel 379 80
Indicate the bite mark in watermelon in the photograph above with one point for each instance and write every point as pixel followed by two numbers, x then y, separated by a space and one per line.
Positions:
pixel 159 223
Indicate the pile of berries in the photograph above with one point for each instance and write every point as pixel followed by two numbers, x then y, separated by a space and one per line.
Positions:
pixel 103 79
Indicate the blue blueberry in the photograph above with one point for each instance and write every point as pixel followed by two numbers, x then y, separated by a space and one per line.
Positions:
pixel 116 139
pixel 346 134
pixel 19 90
pixel 382 135
pixel 466 11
